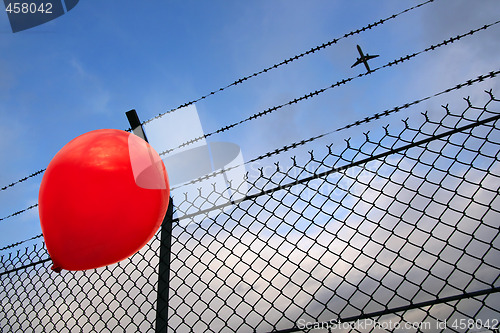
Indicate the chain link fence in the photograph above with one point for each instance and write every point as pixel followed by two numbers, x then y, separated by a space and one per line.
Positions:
pixel 395 230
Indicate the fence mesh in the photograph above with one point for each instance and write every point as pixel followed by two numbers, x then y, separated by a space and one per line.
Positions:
pixel 395 230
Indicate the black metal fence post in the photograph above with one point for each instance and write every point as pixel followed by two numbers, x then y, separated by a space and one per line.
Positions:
pixel 164 271
pixel 165 244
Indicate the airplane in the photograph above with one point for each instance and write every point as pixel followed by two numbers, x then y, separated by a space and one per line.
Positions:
pixel 364 59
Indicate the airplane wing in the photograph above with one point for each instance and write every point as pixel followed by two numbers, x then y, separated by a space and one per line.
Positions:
pixel 357 62
pixel 368 57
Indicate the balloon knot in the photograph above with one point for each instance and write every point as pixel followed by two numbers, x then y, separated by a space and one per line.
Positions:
pixel 56 268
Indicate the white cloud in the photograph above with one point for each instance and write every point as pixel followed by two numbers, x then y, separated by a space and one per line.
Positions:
pixel 93 95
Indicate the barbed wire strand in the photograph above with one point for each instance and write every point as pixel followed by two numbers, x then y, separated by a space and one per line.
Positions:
pixel 36 173
pixel 19 212
pixel 320 91
pixel 289 60
pixel 21 242
pixel 239 81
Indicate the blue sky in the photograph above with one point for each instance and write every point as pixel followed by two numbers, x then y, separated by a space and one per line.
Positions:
pixel 84 70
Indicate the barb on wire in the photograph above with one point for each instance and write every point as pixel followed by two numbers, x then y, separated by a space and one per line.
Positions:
pixel 320 91
pixel 19 212
pixel 289 60
pixel 21 242
pixel 22 179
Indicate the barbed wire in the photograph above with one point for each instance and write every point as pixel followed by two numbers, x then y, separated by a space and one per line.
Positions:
pixel 23 179
pixel 21 242
pixel 320 91
pixel 284 62
pixel 316 93
pixel 19 212
pixel 289 60
pixel 387 112
pixel 365 120
pixel 296 100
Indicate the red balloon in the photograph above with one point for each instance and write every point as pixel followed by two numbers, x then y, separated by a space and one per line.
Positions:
pixel 102 198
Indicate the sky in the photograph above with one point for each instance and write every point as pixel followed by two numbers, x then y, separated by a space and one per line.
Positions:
pixel 85 69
